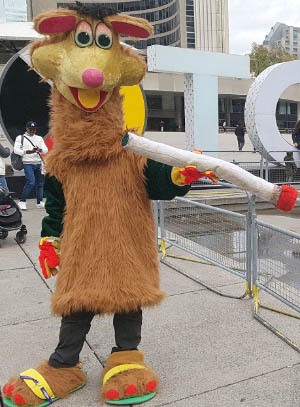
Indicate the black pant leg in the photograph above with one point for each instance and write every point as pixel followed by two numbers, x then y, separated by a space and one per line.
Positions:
pixel 128 330
pixel 73 331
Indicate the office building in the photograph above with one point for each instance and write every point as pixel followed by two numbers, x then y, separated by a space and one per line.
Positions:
pixel 206 25
pixel 286 36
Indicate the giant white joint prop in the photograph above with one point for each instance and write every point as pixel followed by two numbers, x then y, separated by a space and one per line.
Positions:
pixel 284 197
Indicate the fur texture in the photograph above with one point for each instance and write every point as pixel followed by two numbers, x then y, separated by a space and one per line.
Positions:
pixel 108 251
pixel 61 381
pixel 120 382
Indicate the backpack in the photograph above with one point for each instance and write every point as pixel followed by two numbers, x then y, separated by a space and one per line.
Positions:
pixel 16 159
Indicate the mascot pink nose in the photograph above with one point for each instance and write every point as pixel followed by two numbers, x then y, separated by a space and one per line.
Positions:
pixel 92 78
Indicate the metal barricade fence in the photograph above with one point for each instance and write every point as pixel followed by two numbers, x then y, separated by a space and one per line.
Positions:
pixel 266 256
pixel 280 172
pixel 276 265
pixel 276 172
pixel 212 234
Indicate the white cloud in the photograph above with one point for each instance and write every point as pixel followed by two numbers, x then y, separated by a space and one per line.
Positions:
pixel 251 20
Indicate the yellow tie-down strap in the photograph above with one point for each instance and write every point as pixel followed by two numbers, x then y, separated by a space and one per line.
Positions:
pixel 121 368
pixel 35 381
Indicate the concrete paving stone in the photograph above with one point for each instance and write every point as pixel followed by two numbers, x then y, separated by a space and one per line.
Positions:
pixel 31 248
pixel 173 283
pixel 197 342
pixel 286 325
pixel 210 274
pixel 23 296
pixel 26 345
pixel 32 218
pixel 276 389
pixel 11 255
pixel 32 251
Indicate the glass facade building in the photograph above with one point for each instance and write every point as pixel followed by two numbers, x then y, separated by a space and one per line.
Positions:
pixel 164 15
pixel 190 24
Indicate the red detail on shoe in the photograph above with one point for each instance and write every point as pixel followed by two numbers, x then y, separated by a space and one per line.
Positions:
pixel 151 385
pixel 5 388
pixel 112 394
pixel 131 389
pixel 10 390
pixel 287 198
pixel 19 400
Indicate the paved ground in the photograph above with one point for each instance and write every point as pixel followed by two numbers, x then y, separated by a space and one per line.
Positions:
pixel 207 350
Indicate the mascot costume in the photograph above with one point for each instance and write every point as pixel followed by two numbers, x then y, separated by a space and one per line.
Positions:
pixel 98 200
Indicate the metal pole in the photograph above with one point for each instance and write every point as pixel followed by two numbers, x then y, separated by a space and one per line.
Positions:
pixel 155 214
pixel 251 216
pixel 267 170
pixel 162 219
pixel 254 240
pixel 261 168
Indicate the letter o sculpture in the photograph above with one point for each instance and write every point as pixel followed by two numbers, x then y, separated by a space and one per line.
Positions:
pixel 260 110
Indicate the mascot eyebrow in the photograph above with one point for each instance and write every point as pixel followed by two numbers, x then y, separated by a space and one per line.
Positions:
pixel 91 10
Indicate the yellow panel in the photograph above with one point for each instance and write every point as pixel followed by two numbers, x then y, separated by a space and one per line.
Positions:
pixel 134 108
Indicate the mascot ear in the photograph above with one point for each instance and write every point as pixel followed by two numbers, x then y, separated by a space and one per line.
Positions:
pixel 130 26
pixel 54 22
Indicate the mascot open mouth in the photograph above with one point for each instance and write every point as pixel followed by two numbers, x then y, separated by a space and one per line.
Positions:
pixel 89 100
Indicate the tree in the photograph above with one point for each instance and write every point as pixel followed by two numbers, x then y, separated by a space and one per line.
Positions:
pixel 262 57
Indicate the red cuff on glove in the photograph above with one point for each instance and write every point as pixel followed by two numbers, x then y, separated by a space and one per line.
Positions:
pixel 287 198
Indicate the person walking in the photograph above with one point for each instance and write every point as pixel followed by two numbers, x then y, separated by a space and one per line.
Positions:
pixel 162 125
pixel 4 153
pixel 224 126
pixel 296 135
pixel 290 166
pixel 240 134
pixel 31 149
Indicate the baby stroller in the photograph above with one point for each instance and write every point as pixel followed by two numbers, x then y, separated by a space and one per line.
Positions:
pixel 10 217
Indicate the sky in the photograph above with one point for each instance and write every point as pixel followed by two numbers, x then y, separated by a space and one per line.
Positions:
pixel 251 20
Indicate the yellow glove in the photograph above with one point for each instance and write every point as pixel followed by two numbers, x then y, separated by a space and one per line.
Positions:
pixel 187 175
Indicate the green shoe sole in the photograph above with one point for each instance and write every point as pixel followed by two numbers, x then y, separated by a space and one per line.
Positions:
pixel 9 403
pixel 132 400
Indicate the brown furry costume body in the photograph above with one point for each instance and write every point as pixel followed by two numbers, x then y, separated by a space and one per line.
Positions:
pixel 108 250
pixel 98 202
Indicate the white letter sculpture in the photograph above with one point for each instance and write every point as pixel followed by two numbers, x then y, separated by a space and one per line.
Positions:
pixel 201 71
pixel 260 109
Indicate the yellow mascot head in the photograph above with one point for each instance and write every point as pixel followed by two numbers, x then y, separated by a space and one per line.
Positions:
pixel 82 53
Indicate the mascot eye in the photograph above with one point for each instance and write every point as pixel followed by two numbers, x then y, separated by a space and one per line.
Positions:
pixel 83 34
pixel 104 41
pixel 103 36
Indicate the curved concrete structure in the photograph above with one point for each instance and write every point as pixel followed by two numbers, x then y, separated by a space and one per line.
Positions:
pixel 260 109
